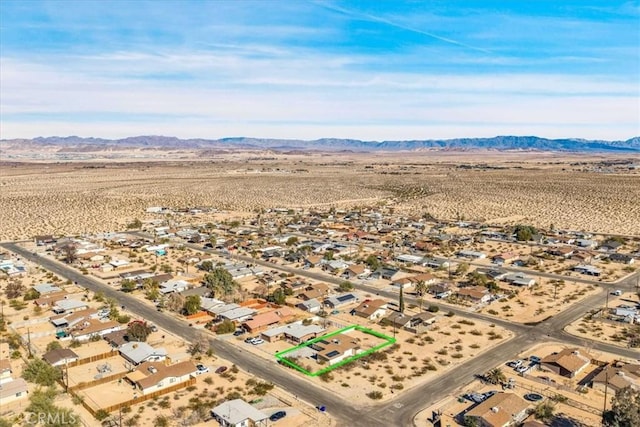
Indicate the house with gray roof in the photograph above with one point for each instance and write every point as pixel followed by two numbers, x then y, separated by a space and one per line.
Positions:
pixel 138 352
pixel 238 413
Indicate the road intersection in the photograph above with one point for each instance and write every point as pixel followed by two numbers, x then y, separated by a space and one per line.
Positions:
pixel 398 411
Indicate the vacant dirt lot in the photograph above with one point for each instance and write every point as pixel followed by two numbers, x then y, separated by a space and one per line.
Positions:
pixel 537 189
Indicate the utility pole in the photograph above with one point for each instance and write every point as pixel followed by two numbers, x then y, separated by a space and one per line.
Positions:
pixel 29 342
pixel 606 387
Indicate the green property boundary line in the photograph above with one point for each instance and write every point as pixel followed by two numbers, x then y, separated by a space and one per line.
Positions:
pixel 281 355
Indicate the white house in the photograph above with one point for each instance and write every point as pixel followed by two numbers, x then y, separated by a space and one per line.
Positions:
pixel 139 352
pixel 153 376
pixel 238 413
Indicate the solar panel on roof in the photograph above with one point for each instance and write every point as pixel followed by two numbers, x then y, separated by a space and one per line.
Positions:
pixel 343 298
pixel 333 353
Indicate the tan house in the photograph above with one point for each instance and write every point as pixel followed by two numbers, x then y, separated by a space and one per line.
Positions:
pixel 154 376
pixel 93 327
pixel 5 370
pixel 568 363
pixel 617 376
pixel 499 410
pixel 262 321
pixel 477 294
pixel 335 349
pixel 13 390
pixel 371 309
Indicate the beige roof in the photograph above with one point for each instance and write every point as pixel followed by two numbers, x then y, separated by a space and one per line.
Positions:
pixel 93 326
pixel 619 377
pixel 11 388
pixel 338 343
pixel 570 359
pixel 367 308
pixel 163 371
pixel 499 409
pixel 356 269
pixel 5 365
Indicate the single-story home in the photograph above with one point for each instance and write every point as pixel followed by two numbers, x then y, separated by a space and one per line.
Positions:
pixel 60 356
pixel 471 254
pixel 335 349
pixel 262 321
pixel 13 390
pixel 617 376
pixel 341 300
pixel 371 309
pixel 475 294
pixel 5 370
pixel 587 269
pixel 68 306
pixel 505 258
pixel 622 258
pixel 139 352
pixel 519 279
pixel 238 413
pixel 154 376
pixel 46 288
pixel 312 305
pixel 499 410
pixel 568 363
pixel 92 327
pixel 173 285
pixel 356 271
pixel 295 332
pixel 562 251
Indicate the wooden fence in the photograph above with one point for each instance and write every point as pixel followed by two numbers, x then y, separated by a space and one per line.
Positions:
pixel 83 385
pixel 93 358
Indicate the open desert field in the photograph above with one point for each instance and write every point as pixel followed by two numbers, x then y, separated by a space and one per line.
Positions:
pixel 538 189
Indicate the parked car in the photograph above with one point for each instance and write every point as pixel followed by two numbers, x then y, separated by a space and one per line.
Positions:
pixel 522 369
pixel 257 341
pixel 277 416
pixel 154 328
pixel 201 369
pixel 221 369
pixel 617 292
pixel 534 359
pixel 249 339
pixel 239 332
pixel 515 363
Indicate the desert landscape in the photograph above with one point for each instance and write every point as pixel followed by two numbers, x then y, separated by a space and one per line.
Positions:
pixel 536 188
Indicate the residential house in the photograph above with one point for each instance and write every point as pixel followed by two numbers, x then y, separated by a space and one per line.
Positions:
pixel 499 410
pixel 45 240
pixel 139 352
pixel 335 349
pixel 5 371
pixel 356 271
pixel 313 260
pixel 116 338
pixel 312 305
pixel 60 357
pixel 92 327
pixel 505 258
pixel 294 332
pixel 238 413
pixel 46 289
pixel 409 259
pixel 617 376
pixel 475 294
pixel 262 321
pixel 519 279
pixel 173 285
pixel 335 266
pixel 235 314
pixel 68 306
pixel 434 263
pixel 69 320
pixel 421 322
pixel 568 363
pixel 587 269
pixel 341 300
pixel 561 251
pixel 622 258
pixel 471 254
pixel 49 300
pixel 294 286
pixel 610 245
pixel 586 243
pixel 406 282
pixel 439 288
pixel 150 377
pixel 13 390
pixel 371 309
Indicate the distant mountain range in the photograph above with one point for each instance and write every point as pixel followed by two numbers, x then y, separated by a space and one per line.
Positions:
pixel 501 143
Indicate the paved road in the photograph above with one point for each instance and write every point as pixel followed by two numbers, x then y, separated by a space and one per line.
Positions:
pixel 399 411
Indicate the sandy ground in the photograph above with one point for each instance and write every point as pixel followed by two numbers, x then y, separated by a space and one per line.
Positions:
pixel 582 407
pixel 415 359
pixel 77 198
pixel 598 327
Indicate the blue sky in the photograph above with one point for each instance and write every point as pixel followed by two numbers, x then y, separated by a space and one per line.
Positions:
pixel 373 70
